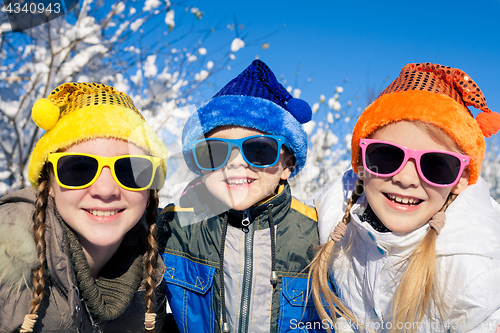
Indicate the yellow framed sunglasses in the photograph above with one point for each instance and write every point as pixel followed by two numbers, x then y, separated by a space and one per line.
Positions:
pixel 132 172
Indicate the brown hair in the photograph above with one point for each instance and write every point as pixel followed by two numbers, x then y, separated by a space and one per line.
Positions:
pixel 150 264
pixel 417 285
pixel 39 227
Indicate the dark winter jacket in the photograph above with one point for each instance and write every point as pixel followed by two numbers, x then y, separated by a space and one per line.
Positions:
pixel 61 310
pixel 190 242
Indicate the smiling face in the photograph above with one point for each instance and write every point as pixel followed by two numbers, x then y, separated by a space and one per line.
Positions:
pixel 104 212
pixel 404 202
pixel 239 185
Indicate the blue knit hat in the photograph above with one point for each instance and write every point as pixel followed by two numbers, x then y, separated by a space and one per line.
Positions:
pixel 253 99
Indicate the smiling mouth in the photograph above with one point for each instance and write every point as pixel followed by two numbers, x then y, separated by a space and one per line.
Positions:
pixel 104 213
pixel 239 181
pixel 403 200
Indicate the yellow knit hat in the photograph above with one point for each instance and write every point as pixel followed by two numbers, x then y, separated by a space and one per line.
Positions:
pixel 76 112
pixel 438 95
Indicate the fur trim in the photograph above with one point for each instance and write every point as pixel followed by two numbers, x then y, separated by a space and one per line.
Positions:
pixel 247 111
pixel 18 254
pixel 437 109
pixel 99 121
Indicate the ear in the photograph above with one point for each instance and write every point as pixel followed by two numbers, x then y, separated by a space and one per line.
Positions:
pixel 462 183
pixel 51 191
pixel 289 163
pixel 361 172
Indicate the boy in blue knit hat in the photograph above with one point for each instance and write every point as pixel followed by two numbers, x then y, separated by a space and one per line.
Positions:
pixel 237 248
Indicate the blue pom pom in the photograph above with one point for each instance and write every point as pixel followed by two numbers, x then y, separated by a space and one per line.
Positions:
pixel 300 110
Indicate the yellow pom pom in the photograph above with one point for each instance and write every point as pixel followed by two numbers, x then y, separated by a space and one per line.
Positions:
pixel 45 114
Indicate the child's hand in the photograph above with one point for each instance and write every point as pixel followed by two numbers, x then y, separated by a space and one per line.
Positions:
pixel 437 221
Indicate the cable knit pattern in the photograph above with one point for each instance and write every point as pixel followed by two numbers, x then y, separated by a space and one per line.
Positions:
pixel 109 296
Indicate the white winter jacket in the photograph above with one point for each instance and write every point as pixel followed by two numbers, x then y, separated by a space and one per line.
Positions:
pixel 468 260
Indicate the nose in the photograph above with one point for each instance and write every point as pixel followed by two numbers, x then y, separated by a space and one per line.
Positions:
pixel 105 187
pixel 408 176
pixel 236 159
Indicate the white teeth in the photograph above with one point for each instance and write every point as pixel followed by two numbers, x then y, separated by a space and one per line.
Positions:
pixel 102 212
pixel 403 200
pixel 238 181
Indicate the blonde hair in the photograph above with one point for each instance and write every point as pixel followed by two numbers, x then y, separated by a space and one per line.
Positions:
pixel 319 271
pixel 418 283
pixel 39 227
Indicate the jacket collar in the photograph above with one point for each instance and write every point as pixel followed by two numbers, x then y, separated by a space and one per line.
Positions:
pixel 464 225
pixel 278 205
pixel 391 242
pixel 205 205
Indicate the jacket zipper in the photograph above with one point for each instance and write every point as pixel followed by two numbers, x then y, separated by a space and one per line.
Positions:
pixel 95 325
pixel 248 228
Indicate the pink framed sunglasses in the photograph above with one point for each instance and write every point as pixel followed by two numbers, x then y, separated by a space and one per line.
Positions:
pixel 435 167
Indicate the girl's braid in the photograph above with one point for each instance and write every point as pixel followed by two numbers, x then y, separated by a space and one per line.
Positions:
pixel 39 235
pixel 356 194
pixel 321 290
pixel 150 263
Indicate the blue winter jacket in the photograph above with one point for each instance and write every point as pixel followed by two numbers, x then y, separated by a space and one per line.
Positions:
pixel 190 244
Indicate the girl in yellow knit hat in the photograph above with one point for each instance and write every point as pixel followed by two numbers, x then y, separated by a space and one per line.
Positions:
pixel 78 249
pixel 394 264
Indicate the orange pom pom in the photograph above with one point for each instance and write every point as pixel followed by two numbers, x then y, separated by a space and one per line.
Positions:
pixel 489 122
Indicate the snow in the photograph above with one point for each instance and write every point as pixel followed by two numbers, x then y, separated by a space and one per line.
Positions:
pixel 309 127
pixel 201 76
pixel 334 104
pixel 118 8
pixel 151 4
pixel 329 117
pixel 150 69
pixel 315 107
pixel 169 19
pixel 237 44
pixel 136 24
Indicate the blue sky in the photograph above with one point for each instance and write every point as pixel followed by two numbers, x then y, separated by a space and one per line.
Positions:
pixel 367 42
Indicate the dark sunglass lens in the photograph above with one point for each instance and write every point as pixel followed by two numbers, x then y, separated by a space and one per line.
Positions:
pixel 261 151
pixel 383 158
pixel 211 154
pixel 159 179
pixel 440 168
pixel 76 170
pixel 134 172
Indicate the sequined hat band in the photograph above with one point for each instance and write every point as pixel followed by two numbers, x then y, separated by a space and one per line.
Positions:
pixel 445 80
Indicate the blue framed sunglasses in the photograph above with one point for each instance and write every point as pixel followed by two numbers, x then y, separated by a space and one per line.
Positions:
pixel 259 151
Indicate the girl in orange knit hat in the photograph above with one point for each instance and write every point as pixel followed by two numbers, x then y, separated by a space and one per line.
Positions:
pixel 395 265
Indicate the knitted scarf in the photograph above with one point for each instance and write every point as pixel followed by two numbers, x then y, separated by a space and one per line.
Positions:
pixel 109 296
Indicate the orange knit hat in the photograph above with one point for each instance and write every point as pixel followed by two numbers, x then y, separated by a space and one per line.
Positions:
pixel 438 95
